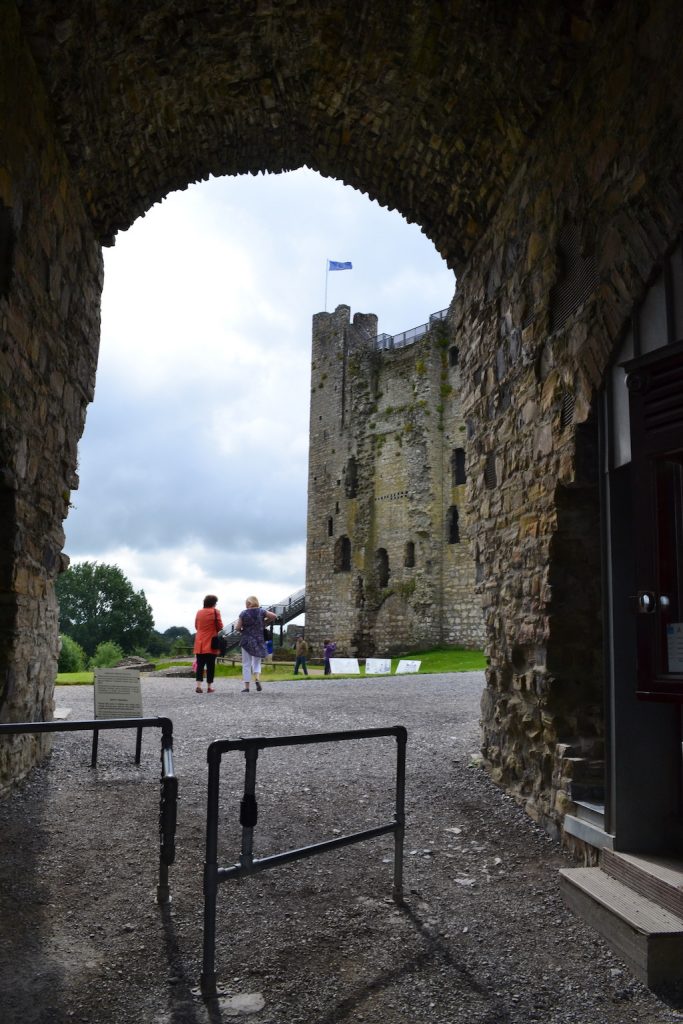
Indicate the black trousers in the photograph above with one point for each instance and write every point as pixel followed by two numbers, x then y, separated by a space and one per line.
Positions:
pixel 210 661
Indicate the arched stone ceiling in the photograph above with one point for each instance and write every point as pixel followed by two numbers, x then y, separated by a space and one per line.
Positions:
pixel 426 105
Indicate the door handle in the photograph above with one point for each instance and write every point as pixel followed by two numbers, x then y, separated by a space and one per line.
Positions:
pixel 646 602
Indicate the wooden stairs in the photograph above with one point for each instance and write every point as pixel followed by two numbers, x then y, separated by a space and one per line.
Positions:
pixel 636 902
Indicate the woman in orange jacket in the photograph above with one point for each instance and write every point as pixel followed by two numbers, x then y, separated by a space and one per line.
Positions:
pixel 207 623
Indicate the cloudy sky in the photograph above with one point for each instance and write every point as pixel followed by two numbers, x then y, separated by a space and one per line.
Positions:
pixel 193 465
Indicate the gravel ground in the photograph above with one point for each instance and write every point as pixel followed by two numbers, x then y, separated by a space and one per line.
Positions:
pixel 484 939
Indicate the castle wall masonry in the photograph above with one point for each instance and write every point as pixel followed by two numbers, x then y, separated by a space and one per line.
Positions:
pixel 50 283
pixel 389 565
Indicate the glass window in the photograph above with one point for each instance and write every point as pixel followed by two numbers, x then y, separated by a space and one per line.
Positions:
pixel 677 288
pixel 652 320
pixel 621 424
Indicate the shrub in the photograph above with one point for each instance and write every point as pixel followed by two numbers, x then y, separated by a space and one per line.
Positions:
pixel 72 657
pixel 106 655
pixel 181 645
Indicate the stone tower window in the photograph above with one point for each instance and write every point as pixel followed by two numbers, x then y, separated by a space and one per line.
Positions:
pixel 409 555
pixel 330 527
pixel 351 478
pixel 458 474
pixel 453 355
pixel 382 567
pixel 567 411
pixel 342 555
pixel 577 276
pixel 453 525
pixel 490 477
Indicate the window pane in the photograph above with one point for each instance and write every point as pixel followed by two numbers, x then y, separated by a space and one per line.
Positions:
pixel 653 332
pixel 621 424
pixel 677 285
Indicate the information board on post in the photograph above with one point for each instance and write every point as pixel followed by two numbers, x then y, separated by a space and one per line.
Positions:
pixel 118 693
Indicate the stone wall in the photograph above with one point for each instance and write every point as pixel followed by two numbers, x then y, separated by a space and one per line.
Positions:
pixel 384 426
pixel 596 203
pixel 542 154
pixel 50 283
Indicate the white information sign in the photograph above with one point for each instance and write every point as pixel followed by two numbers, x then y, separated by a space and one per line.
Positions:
pixel 345 666
pixel 117 693
pixel 408 666
pixel 377 666
pixel 674 646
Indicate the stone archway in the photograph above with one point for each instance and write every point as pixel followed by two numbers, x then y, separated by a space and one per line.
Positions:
pixel 520 138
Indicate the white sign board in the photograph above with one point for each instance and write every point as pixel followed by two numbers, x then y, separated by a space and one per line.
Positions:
pixel 377 666
pixel 345 666
pixel 674 646
pixel 117 693
pixel 408 666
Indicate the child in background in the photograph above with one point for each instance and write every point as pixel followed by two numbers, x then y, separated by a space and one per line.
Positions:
pixel 329 647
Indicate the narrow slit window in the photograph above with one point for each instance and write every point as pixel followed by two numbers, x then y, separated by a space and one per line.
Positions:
pixel 342 555
pixel 351 478
pixel 382 567
pixel 458 467
pixel 453 525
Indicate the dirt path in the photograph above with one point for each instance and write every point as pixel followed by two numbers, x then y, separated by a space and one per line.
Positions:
pixel 486 938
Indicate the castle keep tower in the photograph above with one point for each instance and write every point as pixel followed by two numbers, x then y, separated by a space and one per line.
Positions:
pixel 388 562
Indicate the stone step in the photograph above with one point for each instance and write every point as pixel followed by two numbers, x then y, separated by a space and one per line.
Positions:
pixel 659 879
pixel 646 936
pixel 589 810
pixel 591 792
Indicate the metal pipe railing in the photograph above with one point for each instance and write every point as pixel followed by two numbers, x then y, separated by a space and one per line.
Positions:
pixel 390 341
pixel 168 801
pixel 247 865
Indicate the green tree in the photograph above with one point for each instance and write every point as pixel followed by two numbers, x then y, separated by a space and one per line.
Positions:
pixel 107 654
pixel 157 644
pixel 181 645
pixel 97 602
pixel 72 657
pixel 178 633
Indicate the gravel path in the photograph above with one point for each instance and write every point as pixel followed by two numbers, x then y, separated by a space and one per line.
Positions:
pixel 485 938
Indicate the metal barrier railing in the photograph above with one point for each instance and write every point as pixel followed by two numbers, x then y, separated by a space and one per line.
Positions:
pixel 168 802
pixel 213 875
pixel 385 342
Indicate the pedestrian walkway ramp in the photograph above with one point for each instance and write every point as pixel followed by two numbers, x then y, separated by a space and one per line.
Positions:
pixel 636 903
pixel 286 610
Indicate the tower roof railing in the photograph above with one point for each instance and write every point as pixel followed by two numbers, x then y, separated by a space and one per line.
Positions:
pixel 386 342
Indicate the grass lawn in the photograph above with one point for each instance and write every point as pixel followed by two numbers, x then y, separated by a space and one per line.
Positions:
pixel 441 659
pixel 74 678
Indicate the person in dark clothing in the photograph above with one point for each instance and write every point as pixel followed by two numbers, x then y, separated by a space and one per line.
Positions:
pixel 329 647
pixel 301 650
pixel 207 623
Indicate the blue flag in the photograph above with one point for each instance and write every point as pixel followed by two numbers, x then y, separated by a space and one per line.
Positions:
pixel 335 265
